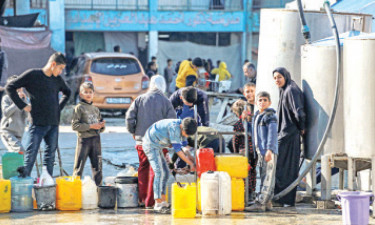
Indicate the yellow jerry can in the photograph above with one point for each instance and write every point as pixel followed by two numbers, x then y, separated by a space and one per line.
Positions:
pixel 235 165
pixel 5 196
pixel 184 202
pixel 68 193
pixel 238 194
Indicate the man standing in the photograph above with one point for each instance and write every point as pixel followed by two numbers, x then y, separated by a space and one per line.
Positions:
pixel 3 73
pixel 250 73
pixel 168 72
pixel 187 73
pixel 43 86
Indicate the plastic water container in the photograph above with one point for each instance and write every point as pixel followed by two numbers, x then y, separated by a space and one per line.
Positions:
pixel 225 85
pixel 45 178
pixel 184 201
pixel 45 197
pixel 5 196
pixel 68 193
pixel 22 200
pixel 182 178
pixel 199 203
pixel 127 192
pixel 89 194
pixel 216 193
pixel 205 160
pixel 355 207
pixel 11 161
pixel 168 194
pixel 107 197
pixel 238 194
pixel 235 165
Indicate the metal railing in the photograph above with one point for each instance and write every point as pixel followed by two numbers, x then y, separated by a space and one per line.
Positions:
pixel 36 4
pixel 200 5
pixel 257 4
pixel 107 4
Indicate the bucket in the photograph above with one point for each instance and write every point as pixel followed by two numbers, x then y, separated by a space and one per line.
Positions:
pixel 45 197
pixel 107 197
pixel 355 207
pixel 127 192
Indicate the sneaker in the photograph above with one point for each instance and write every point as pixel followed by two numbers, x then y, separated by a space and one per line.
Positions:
pixel 276 204
pixel 257 207
pixel 158 206
pixel 269 206
pixel 166 204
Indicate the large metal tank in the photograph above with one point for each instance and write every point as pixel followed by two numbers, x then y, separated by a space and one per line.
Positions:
pixel 318 75
pixel 359 96
pixel 281 38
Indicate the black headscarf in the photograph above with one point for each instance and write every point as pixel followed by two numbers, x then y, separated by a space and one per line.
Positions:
pixel 285 73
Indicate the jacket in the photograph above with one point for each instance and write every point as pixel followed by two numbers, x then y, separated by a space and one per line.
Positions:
pixel 84 115
pixel 146 110
pixel 202 105
pixel 290 111
pixel 266 131
pixel 222 71
pixel 186 69
pixel 14 119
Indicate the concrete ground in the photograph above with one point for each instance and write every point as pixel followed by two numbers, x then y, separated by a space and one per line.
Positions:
pixel 302 214
pixel 118 147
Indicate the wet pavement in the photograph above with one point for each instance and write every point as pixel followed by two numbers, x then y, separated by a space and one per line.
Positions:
pixel 303 214
pixel 118 149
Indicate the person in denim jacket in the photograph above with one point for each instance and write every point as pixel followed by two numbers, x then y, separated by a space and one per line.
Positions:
pixel 166 133
pixel 264 133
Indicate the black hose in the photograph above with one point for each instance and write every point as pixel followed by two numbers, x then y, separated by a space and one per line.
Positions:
pixel 305 28
pixel 333 112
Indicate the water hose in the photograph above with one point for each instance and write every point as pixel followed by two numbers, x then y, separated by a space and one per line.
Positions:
pixel 333 111
pixel 305 28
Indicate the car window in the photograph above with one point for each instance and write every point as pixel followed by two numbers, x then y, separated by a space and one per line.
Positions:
pixel 115 66
pixel 81 66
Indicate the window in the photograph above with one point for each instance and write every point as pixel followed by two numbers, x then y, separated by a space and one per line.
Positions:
pixel 115 66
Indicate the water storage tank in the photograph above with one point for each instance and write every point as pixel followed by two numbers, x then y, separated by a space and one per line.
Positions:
pixel 280 39
pixel 318 75
pixel 359 100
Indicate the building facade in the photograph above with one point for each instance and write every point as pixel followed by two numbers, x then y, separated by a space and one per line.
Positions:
pixel 138 25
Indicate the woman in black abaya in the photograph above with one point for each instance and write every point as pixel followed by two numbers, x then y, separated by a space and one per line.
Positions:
pixel 291 124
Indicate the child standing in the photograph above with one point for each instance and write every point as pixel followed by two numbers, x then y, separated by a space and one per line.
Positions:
pixel 239 108
pixel 88 123
pixel 249 94
pixel 162 134
pixel 13 121
pixel 264 134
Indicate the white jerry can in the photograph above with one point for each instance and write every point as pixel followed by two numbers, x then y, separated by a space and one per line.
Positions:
pixel 89 194
pixel 216 193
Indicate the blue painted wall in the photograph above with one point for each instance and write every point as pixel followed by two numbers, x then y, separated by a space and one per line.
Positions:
pixel 92 20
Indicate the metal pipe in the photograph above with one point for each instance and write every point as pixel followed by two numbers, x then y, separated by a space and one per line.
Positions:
pixel 333 111
pixel 305 28
pixel 247 157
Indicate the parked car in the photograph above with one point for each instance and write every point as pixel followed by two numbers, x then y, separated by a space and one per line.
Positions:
pixel 118 79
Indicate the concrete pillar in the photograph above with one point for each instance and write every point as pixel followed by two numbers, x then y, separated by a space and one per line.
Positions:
pixel 326 180
pixel 56 21
pixel 341 179
pixel 22 7
pixel 152 44
pixel 153 33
